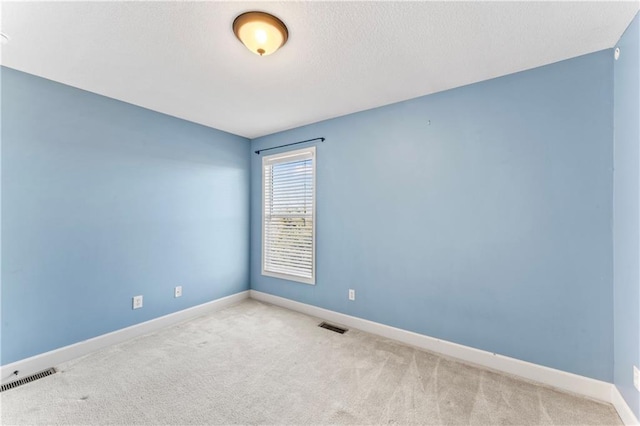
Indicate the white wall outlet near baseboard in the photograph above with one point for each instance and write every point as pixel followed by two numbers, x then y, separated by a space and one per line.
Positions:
pixel 137 302
pixel 177 292
pixel 352 294
pixel 636 378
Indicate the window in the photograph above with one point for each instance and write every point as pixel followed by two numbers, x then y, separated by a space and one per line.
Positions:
pixel 288 215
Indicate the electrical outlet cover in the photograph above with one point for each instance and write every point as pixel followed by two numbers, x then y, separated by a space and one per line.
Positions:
pixel 636 378
pixel 352 294
pixel 137 302
pixel 177 291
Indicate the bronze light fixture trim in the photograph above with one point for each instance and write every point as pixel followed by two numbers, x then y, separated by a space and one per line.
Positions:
pixel 261 32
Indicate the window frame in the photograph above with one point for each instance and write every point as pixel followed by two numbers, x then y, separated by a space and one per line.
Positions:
pixel 280 158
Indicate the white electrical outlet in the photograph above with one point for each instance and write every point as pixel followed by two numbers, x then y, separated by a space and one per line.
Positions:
pixel 352 294
pixel 177 291
pixel 137 302
pixel 636 378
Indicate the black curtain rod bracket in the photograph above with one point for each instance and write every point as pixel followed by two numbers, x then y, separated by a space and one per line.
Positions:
pixel 289 144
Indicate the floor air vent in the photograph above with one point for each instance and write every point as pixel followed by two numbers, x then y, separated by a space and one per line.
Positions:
pixel 332 328
pixel 28 379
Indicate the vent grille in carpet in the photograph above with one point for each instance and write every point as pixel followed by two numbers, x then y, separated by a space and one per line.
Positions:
pixel 333 328
pixel 28 379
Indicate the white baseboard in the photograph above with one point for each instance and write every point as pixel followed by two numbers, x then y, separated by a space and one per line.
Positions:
pixel 581 385
pixel 40 362
pixel 621 406
pixel 559 379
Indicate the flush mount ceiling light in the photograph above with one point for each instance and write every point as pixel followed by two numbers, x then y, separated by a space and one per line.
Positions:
pixel 261 32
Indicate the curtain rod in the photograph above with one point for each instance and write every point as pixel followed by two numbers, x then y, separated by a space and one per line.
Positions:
pixel 289 144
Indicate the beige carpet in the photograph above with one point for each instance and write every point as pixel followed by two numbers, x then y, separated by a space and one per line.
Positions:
pixel 254 363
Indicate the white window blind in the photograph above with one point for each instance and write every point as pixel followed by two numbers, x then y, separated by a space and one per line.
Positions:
pixel 288 215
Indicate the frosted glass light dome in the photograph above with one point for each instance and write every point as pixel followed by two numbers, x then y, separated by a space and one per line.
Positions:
pixel 260 32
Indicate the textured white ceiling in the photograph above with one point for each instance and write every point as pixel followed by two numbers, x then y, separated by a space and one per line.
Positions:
pixel 182 59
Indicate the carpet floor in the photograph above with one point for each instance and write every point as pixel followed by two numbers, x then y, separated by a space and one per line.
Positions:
pixel 254 363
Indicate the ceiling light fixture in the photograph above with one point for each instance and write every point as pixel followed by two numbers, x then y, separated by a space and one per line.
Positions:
pixel 261 32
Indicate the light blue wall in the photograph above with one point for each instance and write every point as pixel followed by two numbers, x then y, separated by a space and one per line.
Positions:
pixel 480 215
pixel 101 201
pixel 626 214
